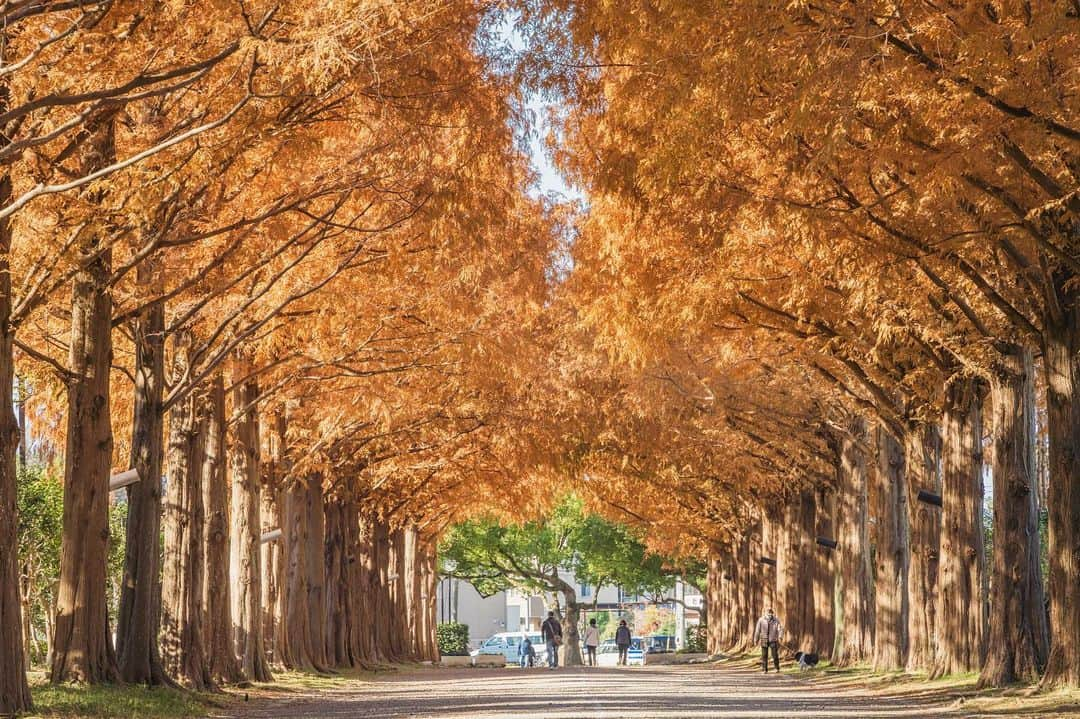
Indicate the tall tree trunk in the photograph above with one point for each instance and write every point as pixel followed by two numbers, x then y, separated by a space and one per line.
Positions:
pixel 183 642
pixel 245 574
pixel 922 449
pixel 1018 643
pixel 296 647
pixel 82 647
pixel 216 592
pixel 824 574
pixel 892 554
pixel 14 689
pixel 854 591
pixel 960 640
pixel 316 569
pixel 430 587
pixel 788 570
pixel 411 581
pixel 381 607
pixel 272 515
pixel 744 579
pixel 756 578
pixel 139 616
pixel 396 583
pixel 713 601
pixel 338 635
pixel 1061 365
pixel 806 572
pixel 353 581
pixel 770 577
pixel 366 595
pixel 728 630
pixel 571 649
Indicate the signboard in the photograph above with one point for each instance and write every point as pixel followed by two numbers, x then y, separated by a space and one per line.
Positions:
pixel 635 657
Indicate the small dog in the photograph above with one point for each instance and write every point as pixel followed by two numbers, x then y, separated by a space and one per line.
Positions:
pixel 806 660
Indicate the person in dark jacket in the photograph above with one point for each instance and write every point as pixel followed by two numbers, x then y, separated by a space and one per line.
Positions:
pixel 622 641
pixel 551 631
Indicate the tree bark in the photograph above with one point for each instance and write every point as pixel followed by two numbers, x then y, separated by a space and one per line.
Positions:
pixel 770 577
pixel 272 515
pixel 892 554
pixel 381 606
pixel 744 590
pixel 299 650
pixel 571 649
pixel 807 572
pixel 338 604
pixel 961 603
pixel 82 647
pixel 182 639
pixel 922 449
pixel 854 590
pixel 1061 365
pixel 714 602
pixel 788 570
pixel 14 689
pixel 221 658
pixel 757 578
pixel 367 594
pixel 139 616
pixel 399 632
pixel 430 575
pixel 245 574
pixel 316 571
pixel 824 574
pixel 1018 640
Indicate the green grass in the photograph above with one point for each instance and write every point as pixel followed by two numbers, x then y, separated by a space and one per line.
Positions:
pixel 119 702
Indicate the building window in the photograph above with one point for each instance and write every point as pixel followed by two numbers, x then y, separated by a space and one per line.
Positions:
pixel 584 590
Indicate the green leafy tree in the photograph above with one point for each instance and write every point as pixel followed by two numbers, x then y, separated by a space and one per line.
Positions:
pixel 40 498
pixel 494 557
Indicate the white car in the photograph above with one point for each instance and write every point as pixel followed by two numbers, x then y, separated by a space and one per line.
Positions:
pixel 508 644
pixel 607 654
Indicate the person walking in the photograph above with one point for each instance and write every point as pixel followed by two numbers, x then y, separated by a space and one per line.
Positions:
pixel 551 633
pixel 526 653
pixel 622 641
pixel 592 641
pixel 768 632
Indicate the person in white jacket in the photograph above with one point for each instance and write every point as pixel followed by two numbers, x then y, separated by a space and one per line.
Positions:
pixel 768 632
pixel 592 641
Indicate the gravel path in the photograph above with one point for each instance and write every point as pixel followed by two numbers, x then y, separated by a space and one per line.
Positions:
pixel 658 692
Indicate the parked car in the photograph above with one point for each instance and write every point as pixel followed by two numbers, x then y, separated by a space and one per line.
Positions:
pixel 507 643
pixel 660 644
pixel 607 654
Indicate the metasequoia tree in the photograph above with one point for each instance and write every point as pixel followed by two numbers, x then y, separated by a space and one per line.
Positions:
pixel 854 158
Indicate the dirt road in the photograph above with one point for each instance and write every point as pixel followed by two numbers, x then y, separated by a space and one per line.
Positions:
pixel 684 692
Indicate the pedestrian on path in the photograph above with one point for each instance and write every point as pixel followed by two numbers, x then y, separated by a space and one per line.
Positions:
pixel 526 652
pixel 622 641
pixel 768 631
pixel 551 632
pixel 592 641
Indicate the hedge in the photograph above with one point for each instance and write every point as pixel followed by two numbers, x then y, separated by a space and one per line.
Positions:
pixel 453 639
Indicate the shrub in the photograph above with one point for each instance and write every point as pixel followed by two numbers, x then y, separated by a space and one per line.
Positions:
pixel 453 639
pixel 697 639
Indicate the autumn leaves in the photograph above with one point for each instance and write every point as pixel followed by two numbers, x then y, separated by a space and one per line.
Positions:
pixel 216 217
pixel 806 216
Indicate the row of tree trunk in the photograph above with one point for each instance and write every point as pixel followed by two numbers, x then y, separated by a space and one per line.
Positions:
pixel 327 588
pixel 908 584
